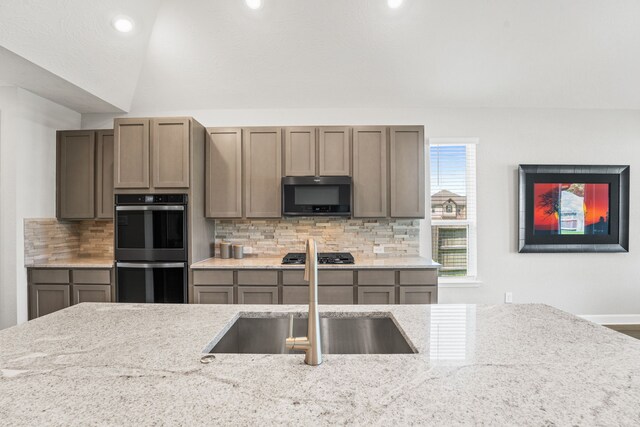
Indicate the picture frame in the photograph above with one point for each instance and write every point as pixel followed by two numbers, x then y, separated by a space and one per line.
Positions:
pixel 573 208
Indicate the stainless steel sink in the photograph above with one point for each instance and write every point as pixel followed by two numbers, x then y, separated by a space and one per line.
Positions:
pixel 353 335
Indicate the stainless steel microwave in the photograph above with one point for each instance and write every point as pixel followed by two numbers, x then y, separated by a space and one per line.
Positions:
pixel 316 196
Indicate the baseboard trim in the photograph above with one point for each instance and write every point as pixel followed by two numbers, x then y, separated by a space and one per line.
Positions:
pixel 612 319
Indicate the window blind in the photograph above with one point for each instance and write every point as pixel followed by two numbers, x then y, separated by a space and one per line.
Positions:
pixel 453 206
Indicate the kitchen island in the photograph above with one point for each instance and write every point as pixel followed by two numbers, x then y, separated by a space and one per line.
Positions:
pixel 141 364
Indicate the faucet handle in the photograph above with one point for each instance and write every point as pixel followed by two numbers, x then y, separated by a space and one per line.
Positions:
pixel 291 325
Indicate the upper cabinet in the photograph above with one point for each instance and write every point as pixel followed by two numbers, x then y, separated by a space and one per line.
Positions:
pixel 76 170
pixel 170 152
pixel 224 173
pixel 131 162
pixel 262 149
pixel 370 172
pixel 311 151
pixel 406 172
pixel 300 151
pixel 153 154
pixel 84 176
pixel 334 151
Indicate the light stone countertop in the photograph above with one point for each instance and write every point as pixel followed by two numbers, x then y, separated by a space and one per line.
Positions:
pixel 136 364
pixel 77 262
pixel 252 261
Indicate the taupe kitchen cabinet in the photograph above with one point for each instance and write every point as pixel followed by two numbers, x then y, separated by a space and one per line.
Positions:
pixel 224 173
pixel 84 174
pixel 370 172
pixel 311 151
pixel 153 153
pixel 262 172
pixel 334 287
pixel 406 177
pixel 257 286
pixel 52 289
pixel 213 294
pixel 376 295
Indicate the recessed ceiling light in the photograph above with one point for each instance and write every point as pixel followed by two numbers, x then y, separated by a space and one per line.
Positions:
pixel 123 24
pixel 254 4
pixel 394 4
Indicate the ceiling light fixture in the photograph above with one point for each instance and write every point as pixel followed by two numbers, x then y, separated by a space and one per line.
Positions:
pixel 254 4
pixel 394 4
pixel 124 24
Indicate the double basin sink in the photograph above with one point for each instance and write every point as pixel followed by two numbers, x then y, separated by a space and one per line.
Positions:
pixel 339 335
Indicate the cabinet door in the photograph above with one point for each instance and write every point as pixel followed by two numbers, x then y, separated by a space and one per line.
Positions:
pixel 213 294
pixel 170 150
pixel 75 175
pixel 263 172
pixel 334 151
pixel 131 153
pixel 45 299
pixel 376 295
pixel 257 295
pixel 104 174
pixel 300 151
pixel 418 294
pixel 224 173
pixel 370 172
pixel 326 295
pixel 91 293
pixel 407 164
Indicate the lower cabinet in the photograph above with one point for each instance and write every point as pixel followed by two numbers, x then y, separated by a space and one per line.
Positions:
pixel 418 295
pixel 337 286
pixel 326 295
pixel 213 294
pixel 46 298
pixel 257 295
pixel 52 289
pixel 376 295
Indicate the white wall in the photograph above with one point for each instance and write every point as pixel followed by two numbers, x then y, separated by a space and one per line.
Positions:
pixel 28 125
pixel 579 283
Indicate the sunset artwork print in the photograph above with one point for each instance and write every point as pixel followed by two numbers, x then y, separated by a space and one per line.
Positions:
pixel 571 209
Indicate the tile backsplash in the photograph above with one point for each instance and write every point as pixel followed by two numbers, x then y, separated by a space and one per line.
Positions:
pixel 48 239
pixel 358 236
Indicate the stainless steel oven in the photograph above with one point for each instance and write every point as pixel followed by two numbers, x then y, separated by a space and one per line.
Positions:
pixel 151 227
pixel 155 282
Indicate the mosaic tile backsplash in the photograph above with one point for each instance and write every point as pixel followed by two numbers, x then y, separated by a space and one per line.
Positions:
pixel 358 236
pixel 51 240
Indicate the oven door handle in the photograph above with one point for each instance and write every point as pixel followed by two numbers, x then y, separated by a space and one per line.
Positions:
pixel 150 208
pixel 151 265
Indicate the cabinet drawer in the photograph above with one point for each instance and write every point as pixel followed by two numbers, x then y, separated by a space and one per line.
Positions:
pixel 418 294
pixel 377 277
pixel 419 277
pixel 213 277
pixel 257 277
pixel 258 295
pixel 326 295
pixel 49 276
pixel 100 277
pixel 91 293
pixel 213 295
pixel 335 277
pixel 376 295
pixel 294 277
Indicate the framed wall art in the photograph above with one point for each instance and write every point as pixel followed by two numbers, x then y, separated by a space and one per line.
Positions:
pixel 573 208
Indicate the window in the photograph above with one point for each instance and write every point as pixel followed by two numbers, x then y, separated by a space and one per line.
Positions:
pixel 453 205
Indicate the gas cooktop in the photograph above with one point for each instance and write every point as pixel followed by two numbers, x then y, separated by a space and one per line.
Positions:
pixel 323 258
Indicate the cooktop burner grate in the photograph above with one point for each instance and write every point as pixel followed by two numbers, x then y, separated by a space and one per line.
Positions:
pixel 323 258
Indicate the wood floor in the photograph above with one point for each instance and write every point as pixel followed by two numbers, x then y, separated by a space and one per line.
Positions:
pixel 631 330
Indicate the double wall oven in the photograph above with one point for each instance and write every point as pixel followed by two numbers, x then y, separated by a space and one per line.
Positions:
pixel 151 248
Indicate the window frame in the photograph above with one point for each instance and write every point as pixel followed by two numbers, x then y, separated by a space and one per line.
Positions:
pixel 471 221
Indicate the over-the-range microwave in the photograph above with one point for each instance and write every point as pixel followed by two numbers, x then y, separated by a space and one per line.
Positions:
pixel 316 196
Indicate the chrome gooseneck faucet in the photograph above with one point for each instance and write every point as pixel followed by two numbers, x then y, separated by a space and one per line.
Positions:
pixel 311 344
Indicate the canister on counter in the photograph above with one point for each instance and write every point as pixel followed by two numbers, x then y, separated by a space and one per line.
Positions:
pixel 238 251
pixel 225 250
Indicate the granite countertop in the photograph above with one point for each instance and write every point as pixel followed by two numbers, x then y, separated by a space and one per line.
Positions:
pixel 139 364
pixel 252 261
pixel 76 262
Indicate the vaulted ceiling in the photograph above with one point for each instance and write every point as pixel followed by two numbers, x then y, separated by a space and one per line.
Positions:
pixel 206 54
